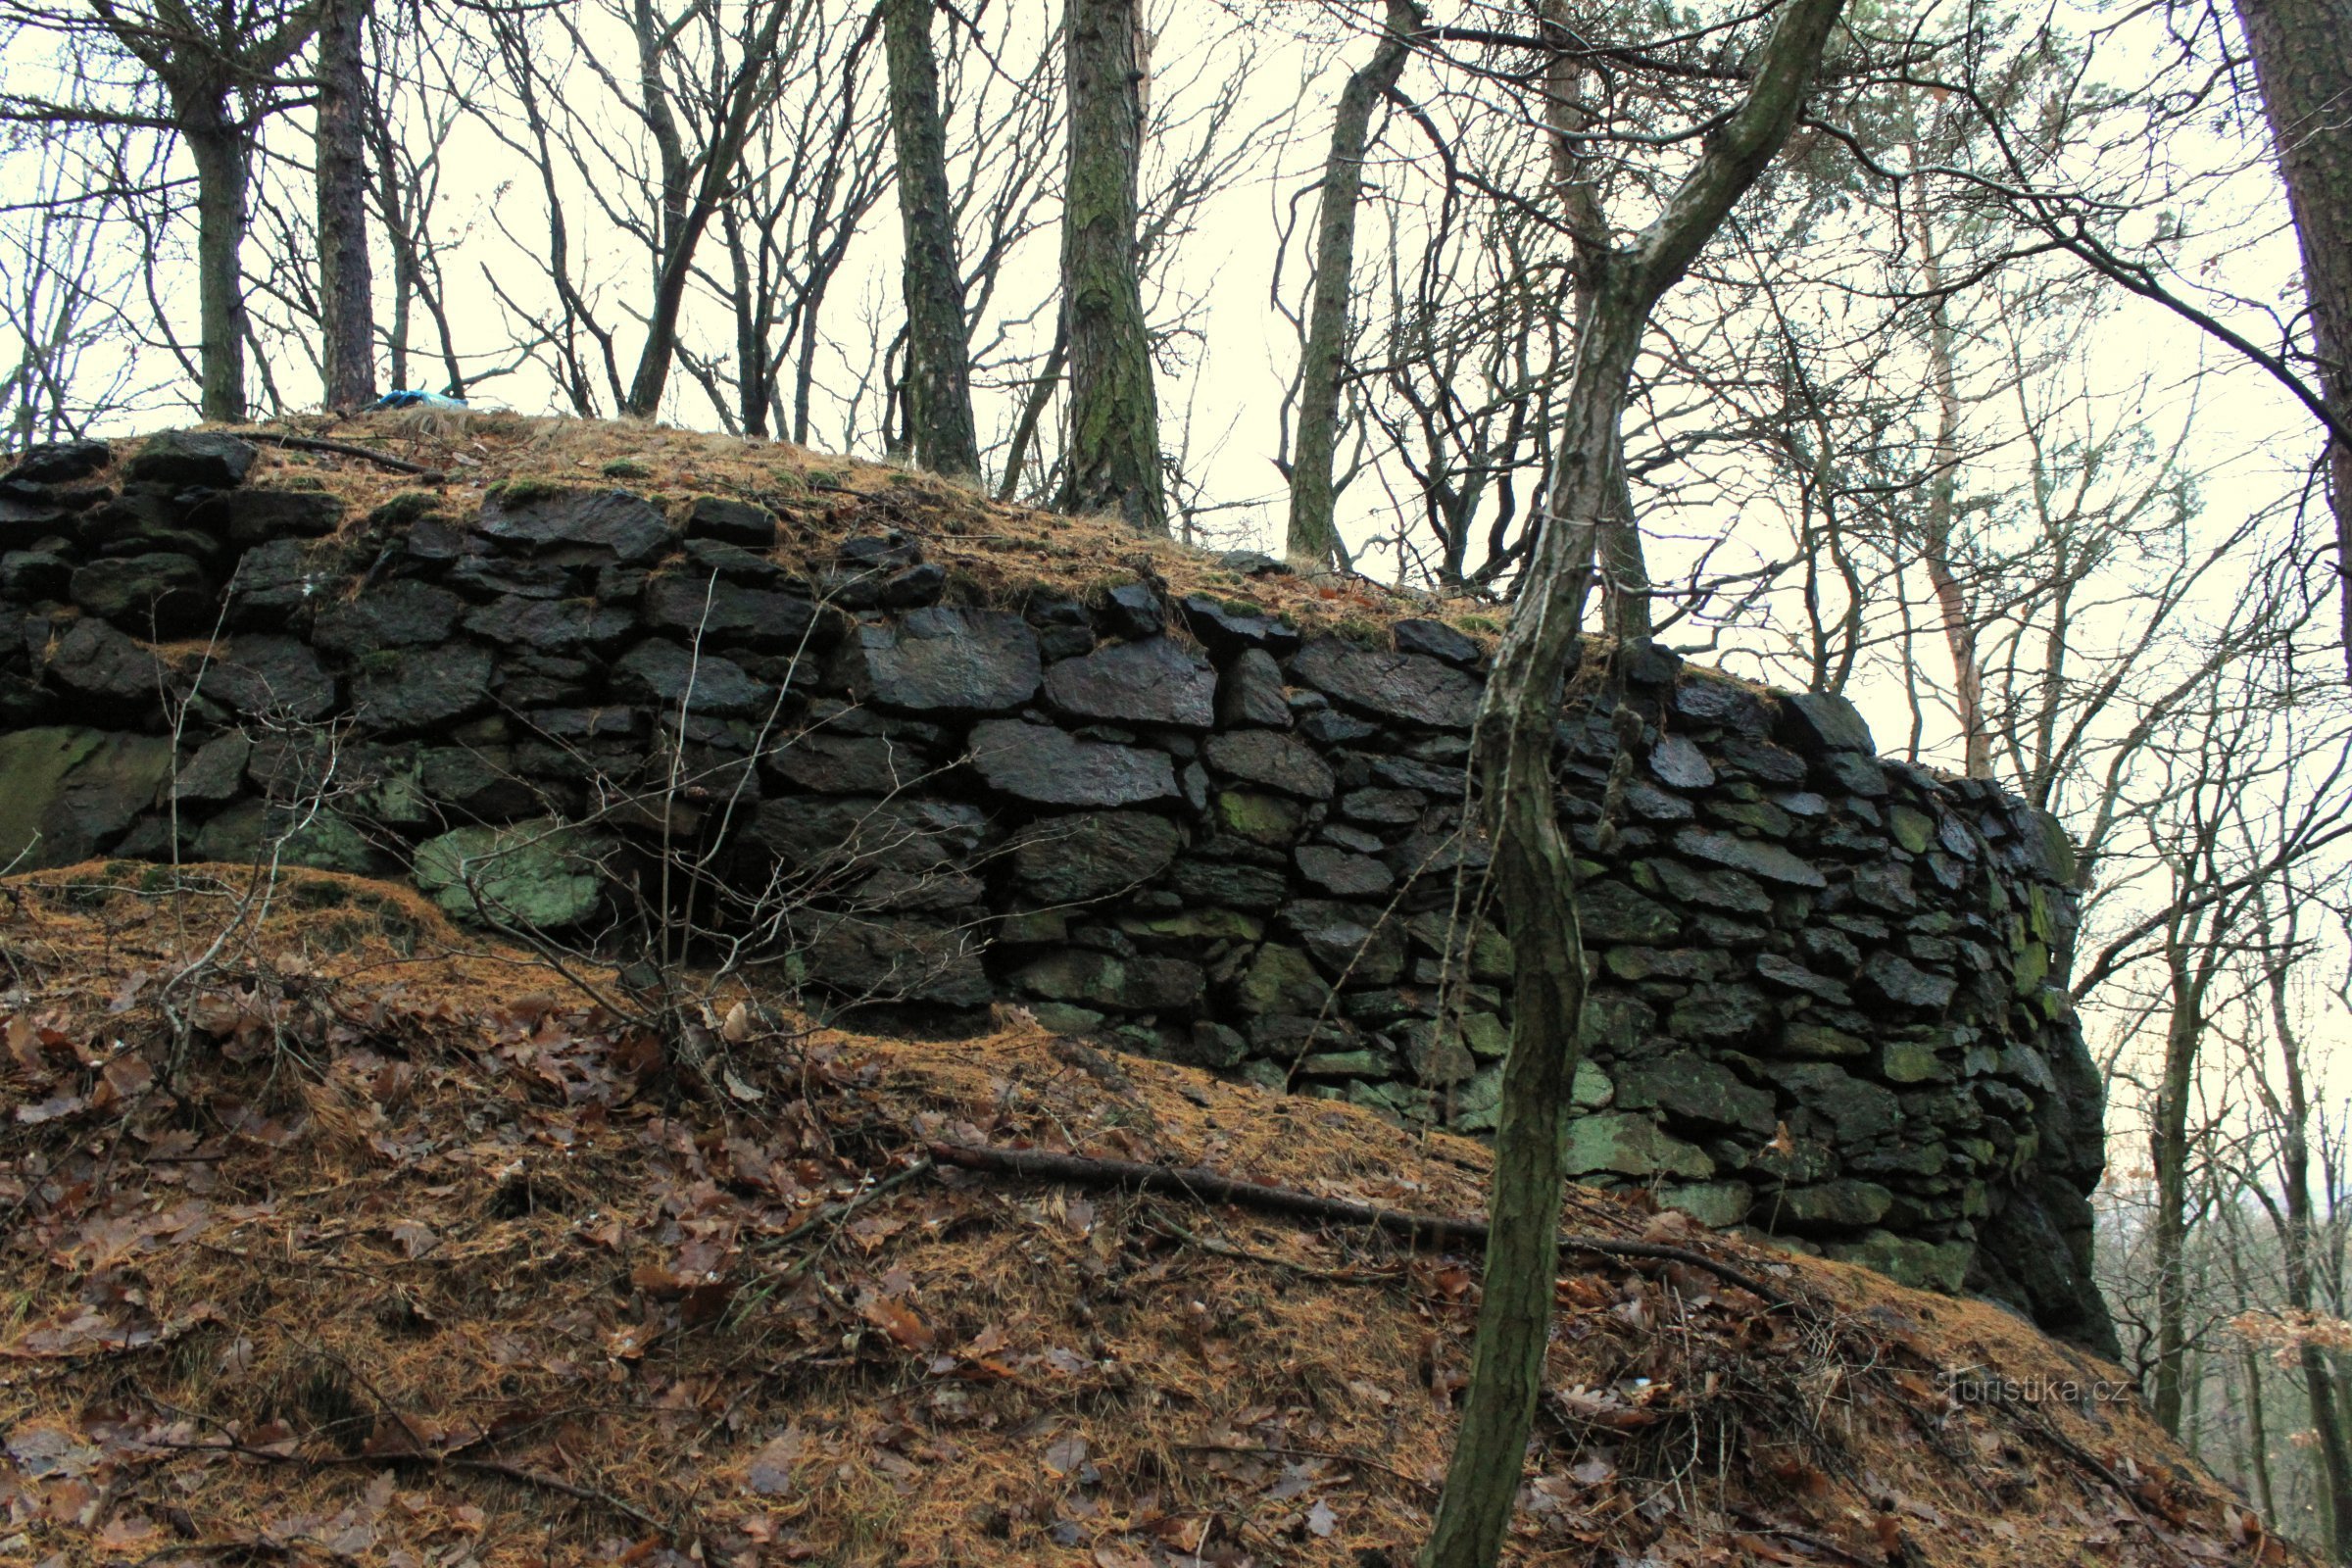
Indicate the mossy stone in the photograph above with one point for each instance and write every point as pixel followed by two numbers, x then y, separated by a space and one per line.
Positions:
pixel 541 874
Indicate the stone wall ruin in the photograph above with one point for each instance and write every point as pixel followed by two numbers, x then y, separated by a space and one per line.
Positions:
pixel 1830 999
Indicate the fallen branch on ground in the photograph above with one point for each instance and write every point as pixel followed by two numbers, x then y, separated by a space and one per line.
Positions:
pixel 343 449
pixel 1207 1186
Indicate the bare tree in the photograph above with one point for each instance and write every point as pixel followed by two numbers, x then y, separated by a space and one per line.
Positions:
pixel 939 393
pixel 1114 411
pixel 1534 861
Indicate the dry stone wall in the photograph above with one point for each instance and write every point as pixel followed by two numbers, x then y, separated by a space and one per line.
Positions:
pixel 1828 997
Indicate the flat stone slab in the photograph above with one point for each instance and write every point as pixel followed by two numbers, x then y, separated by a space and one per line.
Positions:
pixel 943 661
pixel 1050 766
pixel 1756 857
pixel 549 518
pixel 1154 681
pixel 1395 687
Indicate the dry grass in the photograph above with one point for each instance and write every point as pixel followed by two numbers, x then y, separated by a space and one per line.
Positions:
pixel 420 1259
pixel 994 553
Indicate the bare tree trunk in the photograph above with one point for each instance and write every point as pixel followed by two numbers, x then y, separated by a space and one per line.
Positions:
pixel 688 213
pixel 346 304
pixel 938 348
pixel 1513 745
pixel 1114 411
pixel 1312 540
pixel 2294 1181
pixel 2258 1436
pixel 2302 53
pixel 1617 535
pixel 1943 485
pixel 2168 1148
pixel 216 147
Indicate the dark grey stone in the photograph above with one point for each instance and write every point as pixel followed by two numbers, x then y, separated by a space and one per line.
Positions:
pixel 1134 610
pixel 666 674
pixel 264 676
pixel 1771 861
pixel 58 462
pixel 574 524
pixel 190 458
pixel 1050 766
pixel 945 661
pixel 1819 723
pixel 1611 911
pixel 735 522
pixel 1156 681
pixel 730 614
pixel 27 577
pixel 1395 688
pixel 399 614
pixel 847 764
pixel 166 595
pixel 1250 692
pixel 1276 761
pixel 1090 855
pixel 1712 699
pixel 1681 764
pixel 1226 628
pixel 864 959
pixel 93 660
pixel 1353 942
pixel 1906 985
pixel 551 625
pixel 417 688
pixel 1795 976
pixel 1225 882
pixel 1438 641
pixel 249 518
pixel 1342 873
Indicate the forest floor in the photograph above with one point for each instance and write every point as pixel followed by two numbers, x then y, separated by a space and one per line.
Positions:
pixel 331 1234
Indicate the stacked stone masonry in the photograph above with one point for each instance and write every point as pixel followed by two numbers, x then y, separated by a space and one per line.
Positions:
pixel 1828 988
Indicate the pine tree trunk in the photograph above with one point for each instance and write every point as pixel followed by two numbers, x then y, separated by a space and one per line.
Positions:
pixel 346 304
pixel 2302 53
pixel 216 147
pixel 939 351
pixel 1114 411
pixel 1312 540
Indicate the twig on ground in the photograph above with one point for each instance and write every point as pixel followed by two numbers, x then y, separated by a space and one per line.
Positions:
pixel 1335 1454
pixel 344 449
pixel 1169 1228
pixel 1207 1186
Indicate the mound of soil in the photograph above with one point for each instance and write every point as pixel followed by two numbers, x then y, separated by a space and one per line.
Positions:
pixel 333 1235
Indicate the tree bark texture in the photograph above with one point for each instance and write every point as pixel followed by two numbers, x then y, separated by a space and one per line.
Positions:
pixel 1944 488
pixel 346 288
pixel 939 393
pixel 1114 411
pixel 1534 862
pixel 2169 1150
pixel 1567 120
pixel 216 147
pixel 1312 539
pixel 2302 53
